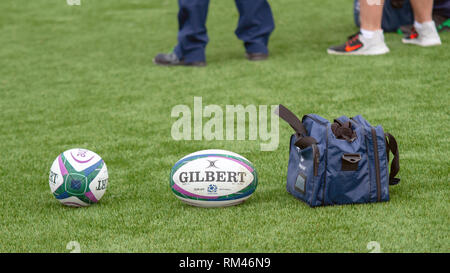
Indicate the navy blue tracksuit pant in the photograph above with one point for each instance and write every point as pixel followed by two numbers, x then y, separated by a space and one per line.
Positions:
pixel 254 27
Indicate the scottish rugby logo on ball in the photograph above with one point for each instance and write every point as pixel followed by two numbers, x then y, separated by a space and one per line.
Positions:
pixel 213 178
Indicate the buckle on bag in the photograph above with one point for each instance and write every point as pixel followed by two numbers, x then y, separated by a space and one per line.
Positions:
pixel 350 162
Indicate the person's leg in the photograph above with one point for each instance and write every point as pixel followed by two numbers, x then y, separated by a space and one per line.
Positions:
pixel 192 34
pixel 370 39
pixel 255 25
pixel 423 10
pixel 425 32
pixel 371 14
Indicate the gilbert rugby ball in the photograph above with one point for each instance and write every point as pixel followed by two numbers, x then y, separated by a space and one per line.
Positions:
pixel 213 178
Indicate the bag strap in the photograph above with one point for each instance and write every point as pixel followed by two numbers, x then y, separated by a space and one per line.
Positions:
pixel 391 146
pixel 291 118
pixel 343 130
pixel 303 140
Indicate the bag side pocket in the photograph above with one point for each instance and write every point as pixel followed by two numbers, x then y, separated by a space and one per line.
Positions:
pixel 302 166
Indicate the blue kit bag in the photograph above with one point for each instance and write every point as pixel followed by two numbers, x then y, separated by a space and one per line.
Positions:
pixel 345 162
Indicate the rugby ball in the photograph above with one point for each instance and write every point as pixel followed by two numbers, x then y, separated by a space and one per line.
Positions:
pixel 213 178
pixel 78 178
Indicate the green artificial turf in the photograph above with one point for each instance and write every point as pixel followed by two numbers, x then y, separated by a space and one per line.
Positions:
pixel 82 76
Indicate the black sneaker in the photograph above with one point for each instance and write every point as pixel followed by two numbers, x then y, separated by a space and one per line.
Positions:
pixel 171 59
pixel 257 56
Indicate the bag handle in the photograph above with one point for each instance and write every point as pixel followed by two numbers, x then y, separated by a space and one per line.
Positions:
pixel 343 130
pixel 303 141
pixel 391 146
pixel 291 118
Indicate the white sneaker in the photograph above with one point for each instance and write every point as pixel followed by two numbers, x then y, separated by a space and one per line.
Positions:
pixel 357 44
pixel 426 35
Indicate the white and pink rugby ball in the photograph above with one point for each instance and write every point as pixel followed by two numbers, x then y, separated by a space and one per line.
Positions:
pixel 213 178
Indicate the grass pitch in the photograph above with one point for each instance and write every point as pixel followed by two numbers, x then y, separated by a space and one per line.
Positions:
pixel 82 76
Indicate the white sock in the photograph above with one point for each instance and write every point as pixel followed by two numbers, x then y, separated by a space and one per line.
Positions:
pixel 417 25
pixel 368 34
pixel 421 25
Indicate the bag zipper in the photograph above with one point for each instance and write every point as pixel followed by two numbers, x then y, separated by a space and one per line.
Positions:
pixel 377 163
pixel 316 120
pixel 368 162
pixel 316 159
pixel 367 155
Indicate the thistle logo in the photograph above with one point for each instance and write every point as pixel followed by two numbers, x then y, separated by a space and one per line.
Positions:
pixel 212 188
pixel 75 184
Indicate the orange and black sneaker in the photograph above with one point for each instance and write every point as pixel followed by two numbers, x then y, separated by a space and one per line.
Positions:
pixel 352 45
pixel 357 44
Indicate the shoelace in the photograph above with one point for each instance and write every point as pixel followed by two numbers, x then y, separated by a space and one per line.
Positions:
pixel 352 39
